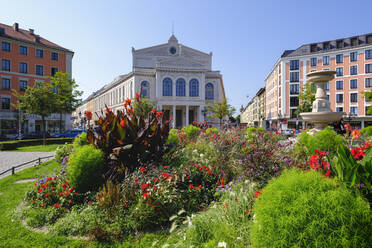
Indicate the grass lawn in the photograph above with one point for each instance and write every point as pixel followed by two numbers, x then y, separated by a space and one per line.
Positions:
pixel 39 148
pixel 14 234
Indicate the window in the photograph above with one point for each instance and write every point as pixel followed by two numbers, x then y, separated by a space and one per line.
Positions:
pixel 326 46
pixel 368 112
pixel 313 48
pixel 353 56
pixel 353 97
pixel 145 89
pixel 353 70
pixel 194 87
pixel 209 91
pixel 293 101
pixel 180 87
pixel 353 110
pixel 368 68
pixel 325 60
pixel 354 41
pixel 22 85
pixel 5 46
pixel 294 64
pixel 340 44
pixel 339 109
pixel 368 83
pixel 54 56
pixel 55 90
pixel 5 65
pixel 313 61
pixel 294 89
pixel 353 83
pixel 5 103
pixel 368 99
pixel 339 85
pixel 339 58
pixel 39 53
pixel 368 54
pixel 339 71
pixel 326 86
pixel 39 70
pixel 369 39
pixel 5 83
pixel 22 67
pixel 339 98
pixel 294 76
pixel 23 50
pixel 167 87
pixel 293 113
pixel 53 70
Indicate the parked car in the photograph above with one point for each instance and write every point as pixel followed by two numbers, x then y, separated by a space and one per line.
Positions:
pixel 68 134
pixel 35 135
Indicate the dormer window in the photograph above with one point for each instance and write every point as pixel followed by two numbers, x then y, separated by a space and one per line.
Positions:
pixel 326 46
pixel 313 48
pixel 369 39
pixel 354 42
pixel 340 43
pixel 173 50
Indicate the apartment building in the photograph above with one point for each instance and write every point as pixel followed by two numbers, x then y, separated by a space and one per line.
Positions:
pixel 350 57
pixel 254 113
pixel 26 58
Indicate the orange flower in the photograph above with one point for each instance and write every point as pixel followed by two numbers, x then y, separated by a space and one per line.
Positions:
pixel 355 134
pixel 122 123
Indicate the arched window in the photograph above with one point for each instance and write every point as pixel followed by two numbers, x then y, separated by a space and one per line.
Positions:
pixel 167 87
pixel 194 87
pixel 180 87
pixel 145 89
pixel 209 91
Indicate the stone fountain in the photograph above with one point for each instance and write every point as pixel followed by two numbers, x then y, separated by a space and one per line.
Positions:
pixel 321 115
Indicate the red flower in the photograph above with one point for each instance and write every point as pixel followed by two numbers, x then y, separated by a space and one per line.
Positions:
pixel 89 202
pixel 358 154
pixel 159 114
pixel 165 175
pixel 143 169
pixel 137 96
pixel 60 194
pixel 153 111
pixel 56 205
pixel 256 194
pixel 107 111
pixel 367 144
pixel 190 186
pixel 247 212
pixel 69 201
pixel 122 123
pixel 171 118
pixel 328 173
pixel 46 195
pixel 146 195
pixel 39 191
pixel 320 153
pixel 155 180
pixel 355 134
pixel 314 162
pixel 145 186
pixel 136 180
pixel 88 114
pixel 155 188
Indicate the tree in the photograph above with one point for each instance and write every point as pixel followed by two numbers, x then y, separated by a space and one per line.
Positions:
pixel 67 95
pixel 306 98
pixel 221 110
pixel 39 100
pixel 368 96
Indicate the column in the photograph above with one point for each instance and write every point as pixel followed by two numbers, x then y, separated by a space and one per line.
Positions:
pixel 187 115
pixel 200 114
pixel 362 124
pixel 174 116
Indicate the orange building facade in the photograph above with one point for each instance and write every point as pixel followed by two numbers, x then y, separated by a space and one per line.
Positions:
pixel 350 57
pixel 26 58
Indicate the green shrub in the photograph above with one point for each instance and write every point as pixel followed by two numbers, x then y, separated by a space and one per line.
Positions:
pixel 63 152
pixel 366 132
pixel 302 209
pixel 211 130
pixel 325 140
pixel 81 139
pixel 85 168
pixel 173 136
pixel 191 131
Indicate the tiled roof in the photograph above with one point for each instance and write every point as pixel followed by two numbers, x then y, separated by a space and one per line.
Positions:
pixel 27 36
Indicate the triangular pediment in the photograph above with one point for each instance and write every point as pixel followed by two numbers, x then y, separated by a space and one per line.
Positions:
pixel 179 62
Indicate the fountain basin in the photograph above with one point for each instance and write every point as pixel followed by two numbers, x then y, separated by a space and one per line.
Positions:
pixel 321 119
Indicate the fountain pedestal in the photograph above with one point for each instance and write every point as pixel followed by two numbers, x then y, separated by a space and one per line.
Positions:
pixel 321 114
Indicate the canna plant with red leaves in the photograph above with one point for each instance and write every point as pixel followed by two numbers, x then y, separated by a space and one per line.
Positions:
pixel 129 138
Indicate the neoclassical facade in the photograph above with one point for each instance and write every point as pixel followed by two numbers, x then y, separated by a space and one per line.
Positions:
pixel 177 79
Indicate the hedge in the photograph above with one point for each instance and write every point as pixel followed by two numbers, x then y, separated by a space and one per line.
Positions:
pixel 12 145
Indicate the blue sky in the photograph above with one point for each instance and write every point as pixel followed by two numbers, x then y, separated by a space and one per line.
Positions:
pixel 246 37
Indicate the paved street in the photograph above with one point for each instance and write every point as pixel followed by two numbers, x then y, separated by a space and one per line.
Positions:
pixel 10 159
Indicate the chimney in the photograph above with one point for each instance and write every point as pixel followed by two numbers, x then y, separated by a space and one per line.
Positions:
pixel 31 31
pixel 15 26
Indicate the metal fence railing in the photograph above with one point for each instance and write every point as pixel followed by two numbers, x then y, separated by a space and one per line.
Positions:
pixel 12 169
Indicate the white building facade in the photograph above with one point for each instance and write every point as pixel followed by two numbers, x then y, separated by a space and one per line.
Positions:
pixel 177 79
